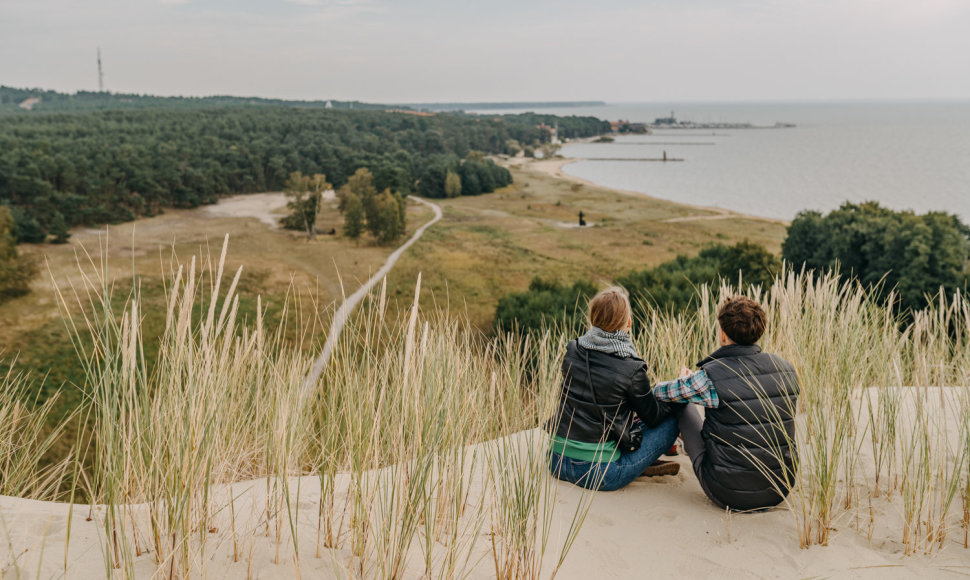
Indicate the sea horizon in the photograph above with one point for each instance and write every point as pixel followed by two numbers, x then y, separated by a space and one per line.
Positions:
pixel 904 155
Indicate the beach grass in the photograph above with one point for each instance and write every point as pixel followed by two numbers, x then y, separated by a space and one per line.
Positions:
pixel 420 451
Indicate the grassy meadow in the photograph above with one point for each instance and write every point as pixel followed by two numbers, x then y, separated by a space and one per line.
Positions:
pixel 491 245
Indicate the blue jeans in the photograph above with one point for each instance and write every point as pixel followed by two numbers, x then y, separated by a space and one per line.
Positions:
pixel 617 474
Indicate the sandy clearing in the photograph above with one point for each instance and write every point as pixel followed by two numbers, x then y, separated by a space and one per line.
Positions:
pixel 266 207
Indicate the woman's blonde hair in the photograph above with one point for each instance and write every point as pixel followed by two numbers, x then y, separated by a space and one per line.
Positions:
pixel 610 309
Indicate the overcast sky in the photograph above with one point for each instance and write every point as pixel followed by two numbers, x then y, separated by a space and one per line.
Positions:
pixel 496 50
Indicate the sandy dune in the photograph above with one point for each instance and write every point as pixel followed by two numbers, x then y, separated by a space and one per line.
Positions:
pixel 656 527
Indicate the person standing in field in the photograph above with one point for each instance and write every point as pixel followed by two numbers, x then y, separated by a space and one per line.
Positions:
pixel 609 428
pixel 743 450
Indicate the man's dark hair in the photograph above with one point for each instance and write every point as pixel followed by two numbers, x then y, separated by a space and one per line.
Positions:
pixel 742 320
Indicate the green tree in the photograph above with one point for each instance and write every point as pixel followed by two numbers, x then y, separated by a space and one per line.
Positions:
pixel 16 272
pixel 388 225
pixel 353 217
pixel 452 184
pixel 58 229
pixel 545 303
pixel 305 193
pixel 26 228
pixel 433 176
pixel 915 255
pixel 361 184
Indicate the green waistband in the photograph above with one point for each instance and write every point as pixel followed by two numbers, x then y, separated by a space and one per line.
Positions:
pixel 605 452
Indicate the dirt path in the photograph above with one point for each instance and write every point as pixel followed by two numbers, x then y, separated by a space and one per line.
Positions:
pixel 343 313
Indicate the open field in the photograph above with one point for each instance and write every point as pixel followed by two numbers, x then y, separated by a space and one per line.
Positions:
pixel 152 248
pixel 493 244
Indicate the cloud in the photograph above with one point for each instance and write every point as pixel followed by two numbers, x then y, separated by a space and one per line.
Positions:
pixel 422 50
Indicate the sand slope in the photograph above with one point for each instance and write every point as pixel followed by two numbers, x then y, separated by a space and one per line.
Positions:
pixel 659 527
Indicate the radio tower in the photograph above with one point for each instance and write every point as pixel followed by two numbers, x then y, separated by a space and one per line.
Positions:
pixel 100 73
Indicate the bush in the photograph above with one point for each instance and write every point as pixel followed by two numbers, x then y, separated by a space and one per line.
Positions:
pixel 917 255
pixel 544 304
pixel 671 286
pixel 16 272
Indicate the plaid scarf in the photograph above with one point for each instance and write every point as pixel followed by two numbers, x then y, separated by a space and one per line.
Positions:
pixel 616 343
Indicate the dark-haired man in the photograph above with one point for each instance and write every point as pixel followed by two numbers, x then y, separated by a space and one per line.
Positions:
pixel 743 449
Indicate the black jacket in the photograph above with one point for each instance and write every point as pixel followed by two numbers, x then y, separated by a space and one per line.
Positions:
pixel 749 438
pixel 600 393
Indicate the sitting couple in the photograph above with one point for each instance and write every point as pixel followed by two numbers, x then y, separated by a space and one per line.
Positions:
pixel 612 427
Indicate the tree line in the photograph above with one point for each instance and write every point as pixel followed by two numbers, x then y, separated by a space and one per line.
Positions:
pixel 903 255
pixel 58 170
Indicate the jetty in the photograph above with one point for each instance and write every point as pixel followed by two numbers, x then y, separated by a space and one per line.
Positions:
pixel 672 122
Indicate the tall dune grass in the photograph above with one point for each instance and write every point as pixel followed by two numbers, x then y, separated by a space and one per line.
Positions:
pixel 884 412
pixel 26 437
pixel 418 440
pixel 394 435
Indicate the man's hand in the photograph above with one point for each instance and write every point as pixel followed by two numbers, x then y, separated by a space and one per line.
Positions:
pixel 685 372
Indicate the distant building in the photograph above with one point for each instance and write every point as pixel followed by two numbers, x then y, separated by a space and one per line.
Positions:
pixel 622 126
pixel 29 103
pixel 553 132
pixel 329 105
pixel 671 120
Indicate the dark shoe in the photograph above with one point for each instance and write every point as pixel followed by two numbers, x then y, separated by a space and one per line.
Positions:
pixel 662 468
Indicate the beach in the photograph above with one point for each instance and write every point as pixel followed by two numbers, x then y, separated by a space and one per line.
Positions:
pixel 554 168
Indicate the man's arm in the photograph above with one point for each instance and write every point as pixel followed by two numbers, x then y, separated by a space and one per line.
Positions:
pixel 692 388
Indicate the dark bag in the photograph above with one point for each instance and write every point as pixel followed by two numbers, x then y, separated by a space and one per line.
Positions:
pixel 633 439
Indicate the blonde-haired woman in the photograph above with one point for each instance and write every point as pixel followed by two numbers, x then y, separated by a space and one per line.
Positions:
pixel 597 442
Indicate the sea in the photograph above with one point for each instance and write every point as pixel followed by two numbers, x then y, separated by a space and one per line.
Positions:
pixel 904 155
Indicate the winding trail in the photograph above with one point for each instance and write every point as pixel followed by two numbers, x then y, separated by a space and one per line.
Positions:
pixel 343 313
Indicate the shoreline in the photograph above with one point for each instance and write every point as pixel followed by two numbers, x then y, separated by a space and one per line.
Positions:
pixel 554 168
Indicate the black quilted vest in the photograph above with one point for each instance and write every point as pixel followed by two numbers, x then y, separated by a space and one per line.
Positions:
pixel 750 436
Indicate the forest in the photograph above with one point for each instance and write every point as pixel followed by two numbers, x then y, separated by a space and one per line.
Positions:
pixel 47 101
pixel 61 169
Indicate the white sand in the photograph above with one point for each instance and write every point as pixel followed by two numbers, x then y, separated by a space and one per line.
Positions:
pixel 655 528
pixel 266 207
